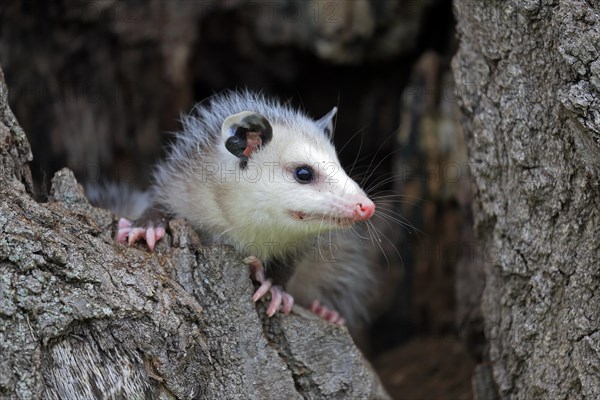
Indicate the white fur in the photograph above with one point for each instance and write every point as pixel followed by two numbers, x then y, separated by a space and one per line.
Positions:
pixel 252 208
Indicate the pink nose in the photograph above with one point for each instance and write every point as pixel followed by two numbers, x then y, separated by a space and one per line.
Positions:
pixel 364 210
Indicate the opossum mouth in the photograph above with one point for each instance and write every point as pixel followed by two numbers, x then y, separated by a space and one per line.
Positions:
pixel 336 220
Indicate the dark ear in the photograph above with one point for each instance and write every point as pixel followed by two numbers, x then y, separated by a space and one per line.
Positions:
pixel 326 122
pixel 244 133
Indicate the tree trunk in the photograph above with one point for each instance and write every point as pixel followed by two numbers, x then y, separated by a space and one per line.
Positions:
pixel 83 317
pixel 528 75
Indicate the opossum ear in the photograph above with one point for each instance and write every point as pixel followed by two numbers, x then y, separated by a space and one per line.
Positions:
pixel 244 133
pixel 326 122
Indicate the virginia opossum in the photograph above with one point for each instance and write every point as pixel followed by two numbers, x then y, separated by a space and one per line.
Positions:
pixel 265 178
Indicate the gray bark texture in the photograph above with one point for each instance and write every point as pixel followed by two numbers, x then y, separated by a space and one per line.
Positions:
pixel 528 76
pixel 82 317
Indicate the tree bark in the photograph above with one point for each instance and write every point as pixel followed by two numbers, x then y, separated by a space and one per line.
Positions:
pixel 84 317
pixel 528 75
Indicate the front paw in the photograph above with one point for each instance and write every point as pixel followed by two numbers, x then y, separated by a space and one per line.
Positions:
pixel 280 299
pixel 127 232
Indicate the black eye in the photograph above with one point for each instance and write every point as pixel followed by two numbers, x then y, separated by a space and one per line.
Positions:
pixel 304 174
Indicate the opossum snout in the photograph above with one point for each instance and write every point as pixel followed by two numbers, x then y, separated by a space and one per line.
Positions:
pixel 364 210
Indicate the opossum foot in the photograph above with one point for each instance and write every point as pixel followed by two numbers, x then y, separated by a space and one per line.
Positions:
pixel 280 299
pixel 326 313
pixel 126 232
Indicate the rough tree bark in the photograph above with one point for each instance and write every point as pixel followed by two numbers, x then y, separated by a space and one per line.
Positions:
pixel 83 317
pixel 528 75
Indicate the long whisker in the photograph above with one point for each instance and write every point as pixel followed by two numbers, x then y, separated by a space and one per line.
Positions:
pixel 392 245
pixel 366 179
pixel 381 182
pixel 350 139
pixel 375 236
pixel 400 220
pixel 362 137
pixel 393 195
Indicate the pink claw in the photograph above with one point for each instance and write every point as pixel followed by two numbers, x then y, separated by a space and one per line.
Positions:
pixel 326 313
pixel 262 290
pixel 124 227
pixel 151 238
pixel 280 300
pixel 126 232
pixel 288 302
pixel 276 300
pixel 135 235
pixel 124 223
pixel 122 234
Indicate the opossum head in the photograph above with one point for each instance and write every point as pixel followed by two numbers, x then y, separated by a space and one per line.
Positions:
pixel 288 181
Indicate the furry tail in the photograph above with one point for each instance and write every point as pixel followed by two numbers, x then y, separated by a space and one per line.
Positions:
pixel 120 198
